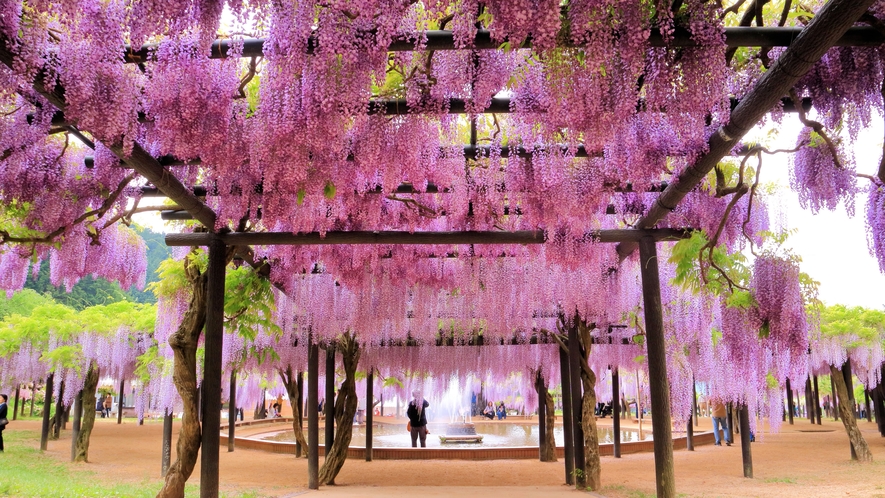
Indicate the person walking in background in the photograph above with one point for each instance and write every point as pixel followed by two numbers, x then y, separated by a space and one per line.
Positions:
pixel 3 420
pixel 418 419
pixel 108 403
pixel 720 419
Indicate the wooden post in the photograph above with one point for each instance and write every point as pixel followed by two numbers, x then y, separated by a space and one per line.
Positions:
pixel 809 400
pixel 616 413
pixel 790 401
pixel 299 387
pixel 568 420
pixel 746 455
pixel 381 404
pixel 849 403
pixel 817 408
pixel 370 409
pixel 313 418
pixel 166 458
pixel 695 413
pixel 729 413
pixel 120 404
pixel 75 429
pixel 33 395
pixel 15 406
pixel 542 418
pixel 866 400
pixel 836 400
pixel 59 411
pixel 574 359
pixel 330 397
pixel 657 368
pixel 232 411
pixel 211 387
pixel 47 407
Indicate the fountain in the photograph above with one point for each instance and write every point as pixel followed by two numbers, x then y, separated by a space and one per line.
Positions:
pixel 464 432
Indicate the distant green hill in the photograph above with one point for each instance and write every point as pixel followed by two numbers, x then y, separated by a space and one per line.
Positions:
pixel 89 291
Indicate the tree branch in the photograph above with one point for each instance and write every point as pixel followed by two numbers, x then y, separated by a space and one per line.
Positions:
pixel 814 125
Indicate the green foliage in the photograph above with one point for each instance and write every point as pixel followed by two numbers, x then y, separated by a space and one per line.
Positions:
pixel 691 275
pixel 856 327
pixel 87 292
pixel 22 302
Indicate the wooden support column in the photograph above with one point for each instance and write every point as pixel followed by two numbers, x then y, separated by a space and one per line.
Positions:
pixel 313 418
pixel 746 454
pixel 836 400
pixel 542 418
pixel 370 411
pixel 330 397
pixel 59 411
pixel 33 395
pixel 657 368
pixel 695 413
pixel 568 420
pixel 849 403
pixel 211 387
pixel 616 413
pixel 120 403
pixel 729 413
pixel 574 361
pixel 232 411
pixel 75 429
pixel 790 405
pixel 166 458
pixel 866 400
pixel 15 406
pixel 299 387
pixel 809 400
pixel 47 407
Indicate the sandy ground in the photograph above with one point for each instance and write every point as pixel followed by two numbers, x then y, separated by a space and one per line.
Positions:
pixel 802 460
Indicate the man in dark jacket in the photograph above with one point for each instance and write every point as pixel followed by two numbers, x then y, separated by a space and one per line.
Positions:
pixel 3 420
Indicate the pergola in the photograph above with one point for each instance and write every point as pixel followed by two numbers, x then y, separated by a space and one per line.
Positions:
pixel 831 26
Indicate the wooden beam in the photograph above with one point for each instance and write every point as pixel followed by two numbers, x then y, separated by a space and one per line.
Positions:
pixel 409 238
pixel 444 40
pixel 142 162
pixel 830 23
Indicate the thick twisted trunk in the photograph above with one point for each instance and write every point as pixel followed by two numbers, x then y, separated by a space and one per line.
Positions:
pixel 291 383
pixel 81 453
pixel 592 465
pixel 184 375
pixel 848 419
pixel 345 409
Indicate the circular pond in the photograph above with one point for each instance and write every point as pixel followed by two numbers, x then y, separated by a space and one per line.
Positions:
pixel 503 435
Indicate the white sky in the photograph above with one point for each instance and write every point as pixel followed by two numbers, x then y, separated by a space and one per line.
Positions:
pixel 832 245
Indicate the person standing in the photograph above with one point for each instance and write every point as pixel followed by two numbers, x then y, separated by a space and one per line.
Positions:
pixel 418 419
pixel 108 403
pixel 720 419
pixel 3 420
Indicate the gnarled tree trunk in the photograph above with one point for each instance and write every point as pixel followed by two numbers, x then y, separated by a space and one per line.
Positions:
pixel 291 383
pixel 548 452
pixel 345 409
pixel 592 464
pixel 184 375
pixel 848 419
pixel 88 402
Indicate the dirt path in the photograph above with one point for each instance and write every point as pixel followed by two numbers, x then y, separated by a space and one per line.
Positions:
pixel 792 463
